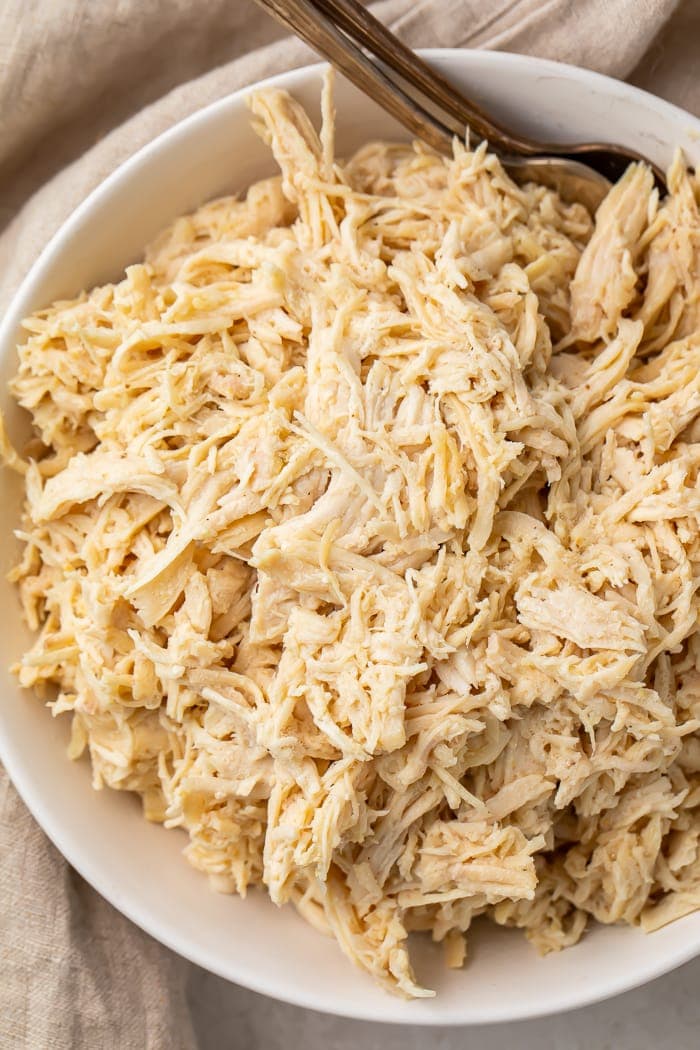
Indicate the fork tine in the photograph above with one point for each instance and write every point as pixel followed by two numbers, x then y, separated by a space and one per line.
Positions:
pixel 316 27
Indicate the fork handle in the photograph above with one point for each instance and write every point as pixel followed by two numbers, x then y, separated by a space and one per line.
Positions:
pixel 461 113
pixel 316 28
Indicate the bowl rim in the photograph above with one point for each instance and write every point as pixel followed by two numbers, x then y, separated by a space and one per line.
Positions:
pixel 85 861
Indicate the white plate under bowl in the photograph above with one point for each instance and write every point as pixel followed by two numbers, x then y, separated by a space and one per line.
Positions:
pixel 137 866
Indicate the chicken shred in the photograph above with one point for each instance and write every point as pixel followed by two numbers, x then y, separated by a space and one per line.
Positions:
pixel 361 540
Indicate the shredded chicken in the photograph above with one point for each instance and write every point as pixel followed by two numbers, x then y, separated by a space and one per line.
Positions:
pixel 361 540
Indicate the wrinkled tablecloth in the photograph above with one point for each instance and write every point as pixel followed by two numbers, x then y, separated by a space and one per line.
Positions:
pixel 83 84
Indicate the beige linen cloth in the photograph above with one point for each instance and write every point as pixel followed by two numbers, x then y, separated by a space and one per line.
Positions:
pixel 83 84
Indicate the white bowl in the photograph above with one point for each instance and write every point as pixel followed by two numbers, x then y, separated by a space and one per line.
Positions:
pixel 138 866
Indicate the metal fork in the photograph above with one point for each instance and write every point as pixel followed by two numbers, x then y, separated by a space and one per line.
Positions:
pixel 368 54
